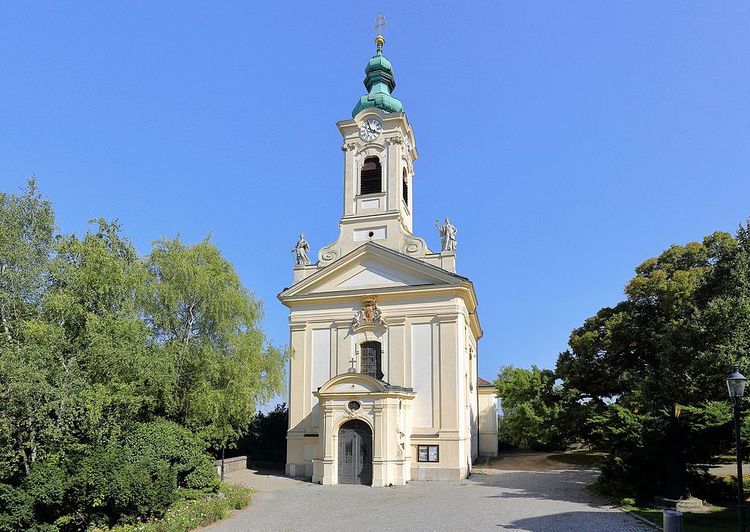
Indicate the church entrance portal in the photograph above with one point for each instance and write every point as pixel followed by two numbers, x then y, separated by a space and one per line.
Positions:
pixel 355 453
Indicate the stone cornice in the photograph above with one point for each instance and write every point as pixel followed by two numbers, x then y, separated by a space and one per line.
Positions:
pixel 397 394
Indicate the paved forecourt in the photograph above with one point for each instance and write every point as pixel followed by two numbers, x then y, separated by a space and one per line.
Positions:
pixel 549 501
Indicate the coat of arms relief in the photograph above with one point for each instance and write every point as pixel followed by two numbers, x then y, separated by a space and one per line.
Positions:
pixel 369 313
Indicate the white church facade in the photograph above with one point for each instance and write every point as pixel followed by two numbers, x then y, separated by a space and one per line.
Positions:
pixel 383 384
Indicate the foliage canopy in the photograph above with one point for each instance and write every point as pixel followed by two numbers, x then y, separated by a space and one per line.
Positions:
pixel 685 320
pixel 118 373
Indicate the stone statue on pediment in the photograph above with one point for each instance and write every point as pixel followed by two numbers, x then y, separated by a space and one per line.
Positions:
pixel 301 251
pixel 447 236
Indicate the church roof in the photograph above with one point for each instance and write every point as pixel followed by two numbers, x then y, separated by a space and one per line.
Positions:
pixel 483 383
pixel 436 275
pixel 381 270
pixel 380 82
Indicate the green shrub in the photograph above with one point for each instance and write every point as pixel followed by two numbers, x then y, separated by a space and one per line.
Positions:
pixel 202 476
pixel 116 483
pixel 121 481
pixel 169 442
pixel 716 489
pixel 46 485
pixel 16 509
pixel 189 514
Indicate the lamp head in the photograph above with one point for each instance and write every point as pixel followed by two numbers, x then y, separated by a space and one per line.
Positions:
pixel 736 383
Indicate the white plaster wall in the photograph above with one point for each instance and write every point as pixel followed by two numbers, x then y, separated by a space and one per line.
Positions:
pixel 487 422
pixel 421 360
pixel 424 328
pixel 321 366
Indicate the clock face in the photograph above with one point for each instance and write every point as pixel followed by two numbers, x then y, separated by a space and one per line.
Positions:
pixel 370 129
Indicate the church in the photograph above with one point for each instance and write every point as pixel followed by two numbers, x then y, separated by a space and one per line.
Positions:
pixel 383 384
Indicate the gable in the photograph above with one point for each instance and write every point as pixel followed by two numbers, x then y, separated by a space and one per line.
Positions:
pixel 371 267
pixel 371 274
pixel 352 383
pixel 351 387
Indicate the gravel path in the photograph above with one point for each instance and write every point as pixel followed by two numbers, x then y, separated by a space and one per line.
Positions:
pixel 548 501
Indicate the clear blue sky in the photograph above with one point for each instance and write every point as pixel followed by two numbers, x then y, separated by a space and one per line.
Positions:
pixel 568 141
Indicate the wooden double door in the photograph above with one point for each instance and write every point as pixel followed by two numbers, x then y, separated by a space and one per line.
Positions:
pixel 355 453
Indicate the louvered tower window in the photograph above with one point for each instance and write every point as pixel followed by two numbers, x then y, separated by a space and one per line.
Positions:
pixel 371 180
pixel 405 189
pixel 371 359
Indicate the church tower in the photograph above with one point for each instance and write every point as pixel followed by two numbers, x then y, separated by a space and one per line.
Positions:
pixel 379 154
pixel 383 377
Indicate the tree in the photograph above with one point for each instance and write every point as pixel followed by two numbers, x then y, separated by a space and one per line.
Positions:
pixel 265 440
pixel 26 241
pixel 531 407
pixel 671 342
pixel 27 224
pixel 117 372
pixel 207 324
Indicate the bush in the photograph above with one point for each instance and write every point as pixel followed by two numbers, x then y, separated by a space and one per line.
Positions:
pixel 16 509
pixel 126 479
pixel 166 441
pixel 187 515
pixel 716 489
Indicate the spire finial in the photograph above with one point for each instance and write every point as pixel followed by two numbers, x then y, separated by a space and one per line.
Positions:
pixel 380 24
pixel 379 79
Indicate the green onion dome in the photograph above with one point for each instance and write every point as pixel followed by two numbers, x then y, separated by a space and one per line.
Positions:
pixel 379 82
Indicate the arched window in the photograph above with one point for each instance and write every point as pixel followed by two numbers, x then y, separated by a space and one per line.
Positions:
pixel 371 181
pixel 371 358
pixel 405 189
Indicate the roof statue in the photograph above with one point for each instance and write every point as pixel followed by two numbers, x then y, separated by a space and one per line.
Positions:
pixel 447 236
pixel 301 250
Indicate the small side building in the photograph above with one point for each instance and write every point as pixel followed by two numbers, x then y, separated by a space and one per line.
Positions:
pixel 487 418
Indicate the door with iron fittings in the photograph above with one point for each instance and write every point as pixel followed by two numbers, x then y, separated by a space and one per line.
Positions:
pixel 355 453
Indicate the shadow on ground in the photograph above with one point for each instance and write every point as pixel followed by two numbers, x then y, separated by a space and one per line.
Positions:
pixel 578 521
pixel 551 500
pixel 559 485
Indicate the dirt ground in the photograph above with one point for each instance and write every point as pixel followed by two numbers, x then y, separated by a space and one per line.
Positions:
pixel 526 462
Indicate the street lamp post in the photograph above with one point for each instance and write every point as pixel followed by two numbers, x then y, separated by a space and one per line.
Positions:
pixel 736 386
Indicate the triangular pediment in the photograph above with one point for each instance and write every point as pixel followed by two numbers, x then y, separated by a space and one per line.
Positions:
pixel 369 267
pixel 374 273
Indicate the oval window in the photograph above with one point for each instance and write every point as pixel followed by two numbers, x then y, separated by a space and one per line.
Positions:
pixel 353 405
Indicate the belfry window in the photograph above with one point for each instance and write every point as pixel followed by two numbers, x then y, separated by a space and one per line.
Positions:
pixel 405 189
pixel 371 358
pixel 371 179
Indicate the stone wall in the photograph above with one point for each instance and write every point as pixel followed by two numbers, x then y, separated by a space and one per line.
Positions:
pixel 238 463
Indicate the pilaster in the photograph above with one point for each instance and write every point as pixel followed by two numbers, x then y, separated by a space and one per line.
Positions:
pixel 297 369
pixel 397 351
pixel 343 344
pixel 449 374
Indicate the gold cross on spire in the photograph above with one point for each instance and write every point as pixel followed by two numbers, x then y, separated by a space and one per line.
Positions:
pixel 380 24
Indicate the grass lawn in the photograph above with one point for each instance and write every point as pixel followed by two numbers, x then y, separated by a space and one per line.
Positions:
pixel 717 520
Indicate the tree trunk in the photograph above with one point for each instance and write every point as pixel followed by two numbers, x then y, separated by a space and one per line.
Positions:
pixel 4 322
